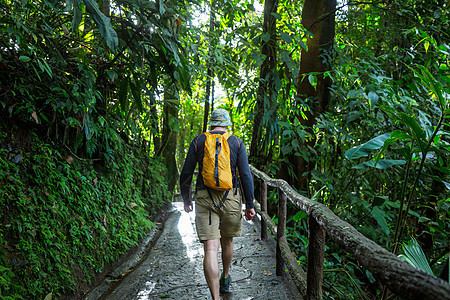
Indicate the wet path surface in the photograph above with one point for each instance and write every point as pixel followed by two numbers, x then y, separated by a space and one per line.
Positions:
pixel 174 270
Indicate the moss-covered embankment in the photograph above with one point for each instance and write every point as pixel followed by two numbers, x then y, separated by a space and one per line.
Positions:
pixel 64 220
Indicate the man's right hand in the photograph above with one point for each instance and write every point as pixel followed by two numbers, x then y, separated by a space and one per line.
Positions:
pixel 188 208
pixel 249 213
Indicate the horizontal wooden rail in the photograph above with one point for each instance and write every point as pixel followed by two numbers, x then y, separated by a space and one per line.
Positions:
pixel 399 276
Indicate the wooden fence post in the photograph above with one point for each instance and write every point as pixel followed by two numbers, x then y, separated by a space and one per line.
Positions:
pixel 281 230
pixel 316 250
pixel 263 203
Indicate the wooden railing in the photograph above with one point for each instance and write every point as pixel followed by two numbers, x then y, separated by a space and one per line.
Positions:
pixel 399 276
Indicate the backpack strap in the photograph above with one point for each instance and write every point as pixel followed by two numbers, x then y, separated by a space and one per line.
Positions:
pixel 216 163
pixel 225 195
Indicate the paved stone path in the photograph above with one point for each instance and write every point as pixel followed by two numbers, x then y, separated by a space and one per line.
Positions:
pixel 173 269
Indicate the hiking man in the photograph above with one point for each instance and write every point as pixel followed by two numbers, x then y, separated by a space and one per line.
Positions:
pixel 218 214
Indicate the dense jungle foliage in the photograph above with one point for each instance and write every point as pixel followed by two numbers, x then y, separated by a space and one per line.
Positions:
pixel 348 101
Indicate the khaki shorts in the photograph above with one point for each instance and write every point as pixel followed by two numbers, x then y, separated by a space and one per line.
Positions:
pixel 207 216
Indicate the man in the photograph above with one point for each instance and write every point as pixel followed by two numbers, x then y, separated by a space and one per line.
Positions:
pixel 218 223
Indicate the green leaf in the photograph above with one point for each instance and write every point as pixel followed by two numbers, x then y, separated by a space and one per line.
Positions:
pixel 409 121
pixel 284 124
pixel 265 37
pixel 162 9
pixel 396 135
pixel 312 80
pixel 69 5
pixel 123 93
pixel 103 23
pixel 444 67
pixel 77 15
pixel 45 67
pixel 299 215
pixel 379 200
pixel 88 127
pixel 382 164
pixel 432 84
pixel 136 92
pixel 289 62
pixel 366 148
pixel 257 58
pixel 370 276
pixel 399 135
pixel 447 185
pixel 413 213
pixel 276 15
pixel 112 75
pixel 416 130
pixel 286 37
pixel 423 219
pixel 373 97
pixel 437 13
pixel 24 58
pixel 415 256
pixel 380 217
pixel 303 45
pixel 353 94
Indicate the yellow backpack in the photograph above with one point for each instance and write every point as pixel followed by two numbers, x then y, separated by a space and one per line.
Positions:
pixel 216 170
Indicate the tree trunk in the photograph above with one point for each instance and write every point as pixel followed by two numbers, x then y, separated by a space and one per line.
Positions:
pixel 171 104
pixel 269 49
pixel 209 72
pixel 317 18
pixel 155 126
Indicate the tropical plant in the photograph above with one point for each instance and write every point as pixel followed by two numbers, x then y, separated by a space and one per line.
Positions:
pixel 415 256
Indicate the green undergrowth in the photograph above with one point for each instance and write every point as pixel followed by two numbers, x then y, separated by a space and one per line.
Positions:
pixel 62 221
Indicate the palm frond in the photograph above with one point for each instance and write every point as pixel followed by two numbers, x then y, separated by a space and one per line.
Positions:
pixel 415 256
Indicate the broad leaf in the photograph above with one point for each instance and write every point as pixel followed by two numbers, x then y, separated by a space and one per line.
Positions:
pixel 447 185
pixel 382 164
pixel 353 94
pixel 366 148
pixel 396 135
pixel 77 15
pixel 286 37
pixel 103 23
pixel 24 58
pixel 373 97
pixel 432 84
pixel 123 93
pixel 299 215
pixel 416 130
pixel 380 217
pixel 88 126
pixel 379 200
pixel 136 92
pixel 265 37
pixel 162 9
pixel 415 256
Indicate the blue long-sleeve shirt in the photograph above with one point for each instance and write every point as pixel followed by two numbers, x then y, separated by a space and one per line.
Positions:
pixel 239 160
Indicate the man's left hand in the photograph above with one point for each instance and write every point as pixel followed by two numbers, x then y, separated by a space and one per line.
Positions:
pixel 249 213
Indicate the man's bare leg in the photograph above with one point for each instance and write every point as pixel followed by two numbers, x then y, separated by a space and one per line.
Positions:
pixel 211 266
pixel 227 254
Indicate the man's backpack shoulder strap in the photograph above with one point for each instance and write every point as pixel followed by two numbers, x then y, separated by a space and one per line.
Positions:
pixel 196 139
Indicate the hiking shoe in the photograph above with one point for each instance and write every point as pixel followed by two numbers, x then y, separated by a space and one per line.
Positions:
pixel 225 284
